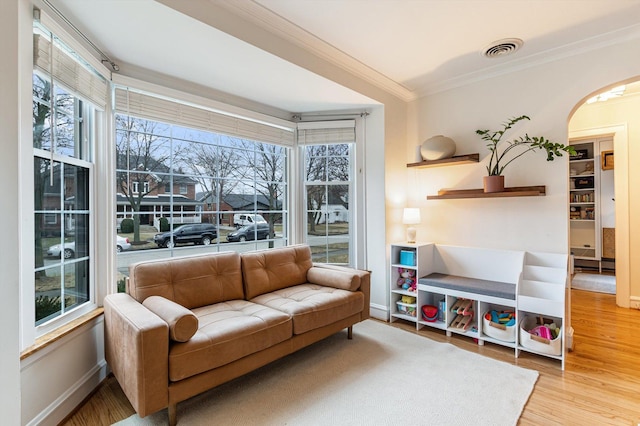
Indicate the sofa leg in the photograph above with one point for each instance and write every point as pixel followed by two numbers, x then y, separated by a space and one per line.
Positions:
pixel 173 414
pixel 350 332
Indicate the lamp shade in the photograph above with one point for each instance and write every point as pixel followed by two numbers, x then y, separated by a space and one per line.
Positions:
pixel 411 216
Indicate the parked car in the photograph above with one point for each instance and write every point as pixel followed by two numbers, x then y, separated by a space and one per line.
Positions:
pixel 257 231
pixel 242 219
pixel 198 233
pixel 122 243
pixel 69 248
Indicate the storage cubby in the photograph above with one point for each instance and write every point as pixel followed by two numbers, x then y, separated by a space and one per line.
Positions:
pixel 412 257
pixel 552 346
pixel 583 196
pixel 439 301
pixel 542 296
pixel 590 199
pixel 402 310
pixel 462 316
pixel 525 284
pixel 493 329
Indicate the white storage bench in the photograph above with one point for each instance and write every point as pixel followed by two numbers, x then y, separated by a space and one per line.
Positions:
pixel 476 281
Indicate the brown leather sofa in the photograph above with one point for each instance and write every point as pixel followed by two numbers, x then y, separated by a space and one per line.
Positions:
pixel 189 324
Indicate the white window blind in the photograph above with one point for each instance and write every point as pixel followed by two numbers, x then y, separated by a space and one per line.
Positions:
pixel 319 132
pixel 169 111
pixel 69 71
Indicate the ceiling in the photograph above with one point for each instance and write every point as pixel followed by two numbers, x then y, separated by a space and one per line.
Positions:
pixel 409 48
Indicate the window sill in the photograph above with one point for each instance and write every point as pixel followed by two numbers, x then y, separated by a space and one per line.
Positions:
pixel 49 338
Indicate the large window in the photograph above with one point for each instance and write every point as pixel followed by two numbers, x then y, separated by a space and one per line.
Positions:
pixel 328 179
pixel 186 190
pixel 62 178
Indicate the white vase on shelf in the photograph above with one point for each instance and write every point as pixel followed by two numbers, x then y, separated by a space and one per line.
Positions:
pixel 437 148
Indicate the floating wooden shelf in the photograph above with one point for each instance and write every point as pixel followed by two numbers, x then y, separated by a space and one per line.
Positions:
pixel 516 191
pixel 456 159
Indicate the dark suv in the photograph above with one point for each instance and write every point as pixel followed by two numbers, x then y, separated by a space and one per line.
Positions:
pixel 198 233
pixel 257 231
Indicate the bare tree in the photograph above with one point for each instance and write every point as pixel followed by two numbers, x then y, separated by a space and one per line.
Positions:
pixel 140 153
pixel 212 166
pixel 42 139
pixel 315 171
pixel 267 164
pixel 323 164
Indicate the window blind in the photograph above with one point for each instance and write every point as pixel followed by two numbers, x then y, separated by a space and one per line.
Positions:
pixel 169 111
pixel 319 132
pixel 69 71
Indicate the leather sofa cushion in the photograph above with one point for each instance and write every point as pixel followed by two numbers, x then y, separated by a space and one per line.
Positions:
pixel 313 306
pixel 183 324
pixel 267 270
pixel 192 281
pixel 228 331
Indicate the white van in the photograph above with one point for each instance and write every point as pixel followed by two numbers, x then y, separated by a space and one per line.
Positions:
pixel 242 219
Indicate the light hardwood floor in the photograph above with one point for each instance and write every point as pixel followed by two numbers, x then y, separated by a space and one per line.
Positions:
pixel 600 384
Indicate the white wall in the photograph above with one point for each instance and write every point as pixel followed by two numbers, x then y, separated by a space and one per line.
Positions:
pixel 9 261
pixel 56 379
pixel 548 94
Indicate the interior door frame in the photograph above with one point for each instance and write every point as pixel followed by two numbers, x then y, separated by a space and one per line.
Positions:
pixel 621 193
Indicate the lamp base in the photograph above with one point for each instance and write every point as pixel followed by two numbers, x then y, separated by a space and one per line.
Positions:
pixel 411 234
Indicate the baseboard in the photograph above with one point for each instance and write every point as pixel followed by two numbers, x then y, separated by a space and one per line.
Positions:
pixel 379 312
pixel 634 302
pixel 66 403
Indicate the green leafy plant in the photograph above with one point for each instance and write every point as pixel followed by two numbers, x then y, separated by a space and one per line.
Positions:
pixel 46 306
pixel 126 226
pixel 498 162
pixel 122 285
pixel 164 224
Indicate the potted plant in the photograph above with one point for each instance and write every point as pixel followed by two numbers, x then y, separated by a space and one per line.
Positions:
pixel 494 182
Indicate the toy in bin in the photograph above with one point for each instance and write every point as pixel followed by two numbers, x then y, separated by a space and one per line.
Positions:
pixel 429 313
pixel 504 318
pixel 407 279
pixel 545 329
pixel 464 310
pixel 406 308
pixel 410 300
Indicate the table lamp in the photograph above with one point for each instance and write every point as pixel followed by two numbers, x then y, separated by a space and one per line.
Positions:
pixel 411 216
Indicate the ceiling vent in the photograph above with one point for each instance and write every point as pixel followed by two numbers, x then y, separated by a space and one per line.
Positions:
pixel 502 47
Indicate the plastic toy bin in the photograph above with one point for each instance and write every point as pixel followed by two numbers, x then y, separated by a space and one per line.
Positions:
pixel 536 343
pixel 406 309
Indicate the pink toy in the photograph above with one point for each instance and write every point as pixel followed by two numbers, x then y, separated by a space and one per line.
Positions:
pixel 407 279
pixel 542 331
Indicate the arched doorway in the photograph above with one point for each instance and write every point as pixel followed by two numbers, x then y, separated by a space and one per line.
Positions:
pixel 618 116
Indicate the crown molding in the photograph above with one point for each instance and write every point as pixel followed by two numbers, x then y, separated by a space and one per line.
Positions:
pixel 562 52
pixel 287 30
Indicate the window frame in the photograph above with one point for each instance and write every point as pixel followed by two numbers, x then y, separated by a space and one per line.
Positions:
pixel 338 127
pixel 91 303
pixel 94 127
pixel 326 184
pixel 173 136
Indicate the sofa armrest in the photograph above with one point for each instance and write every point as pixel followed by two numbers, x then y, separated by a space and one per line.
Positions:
pixel 364 277
pixel 137 350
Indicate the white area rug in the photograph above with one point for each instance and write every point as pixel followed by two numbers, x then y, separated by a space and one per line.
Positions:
pixel 384 376
pixel 594 282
